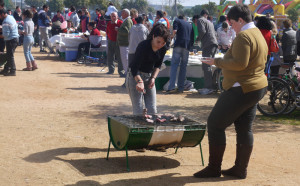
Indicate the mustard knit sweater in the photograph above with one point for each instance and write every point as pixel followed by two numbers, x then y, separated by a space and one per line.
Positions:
pixel 245 61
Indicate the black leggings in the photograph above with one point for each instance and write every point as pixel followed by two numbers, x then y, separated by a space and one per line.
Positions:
pixel 234 106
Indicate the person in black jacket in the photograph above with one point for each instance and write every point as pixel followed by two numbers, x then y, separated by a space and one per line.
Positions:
pixel 144 68
pixel 36 25
pixel 17 14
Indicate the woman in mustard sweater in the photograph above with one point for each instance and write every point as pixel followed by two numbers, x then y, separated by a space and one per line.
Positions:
pixel 245 84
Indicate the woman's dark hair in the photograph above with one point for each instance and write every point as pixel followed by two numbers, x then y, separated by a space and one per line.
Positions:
pixel 110 4
pixel 222 19
pixel 27 14
pixel 160 13
pixel 181 17
pixel 240 11
pixel 92 24
pixel 3 11
pixel 72 8
pixel 203 12
pixel 139 19
pixel 196 17
pixel 224 25
pixel 45 6
pixel 287 23
pixel 145 17
pixel 159 30
pixel 264 23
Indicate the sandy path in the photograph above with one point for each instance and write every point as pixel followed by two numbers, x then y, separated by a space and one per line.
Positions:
pixel 53 131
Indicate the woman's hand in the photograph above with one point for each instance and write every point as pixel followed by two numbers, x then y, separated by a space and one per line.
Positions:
pixel 151 83
pixel 140 87
pixel 209 61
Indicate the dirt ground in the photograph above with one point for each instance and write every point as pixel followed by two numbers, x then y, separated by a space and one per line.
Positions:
pixel 53 131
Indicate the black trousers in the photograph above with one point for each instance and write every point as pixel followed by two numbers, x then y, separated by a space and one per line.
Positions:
pixel 85 46
pixel 209 51
pixel 2 44
pixel 234 106
pixel 11 46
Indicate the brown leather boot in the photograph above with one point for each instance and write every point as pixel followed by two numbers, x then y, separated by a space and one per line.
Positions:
pixel 239 170
pixel 34 65
pixel 215 161
pixel 28 67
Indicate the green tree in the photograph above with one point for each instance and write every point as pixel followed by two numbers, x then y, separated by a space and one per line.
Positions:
pixel 211 7
pixel 9 4
pixel 55 5
pixel 77 3
pixel 102 4
pixel 140 5
pixel 196 10
pixel 37 3
pixel 150 10
pixel 293 15
pixel 127 4
pixel 180 10
pixel 188 12
pixel 168 10
pixel 172 10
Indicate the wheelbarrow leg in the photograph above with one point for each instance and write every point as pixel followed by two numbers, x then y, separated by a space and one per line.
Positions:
pixel 127 163
pixel 108 149
pixel 176 150
pixel 201 154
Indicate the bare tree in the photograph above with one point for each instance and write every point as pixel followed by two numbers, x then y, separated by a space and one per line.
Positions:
pixel 176 2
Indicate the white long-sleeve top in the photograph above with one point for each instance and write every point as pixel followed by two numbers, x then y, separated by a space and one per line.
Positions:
pixel 225 38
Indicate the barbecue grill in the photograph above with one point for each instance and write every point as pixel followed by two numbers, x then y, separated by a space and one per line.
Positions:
pixel 131 132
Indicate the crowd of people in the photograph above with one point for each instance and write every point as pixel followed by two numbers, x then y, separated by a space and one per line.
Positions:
pixel 138 43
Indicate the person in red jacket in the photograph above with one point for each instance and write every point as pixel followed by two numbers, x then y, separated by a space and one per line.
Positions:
pixel 265 26
pixel 113 51
pixel 86 45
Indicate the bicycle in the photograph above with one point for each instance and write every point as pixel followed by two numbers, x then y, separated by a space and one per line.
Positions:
pixel 218 79
pixel 278 96
pixel 293 83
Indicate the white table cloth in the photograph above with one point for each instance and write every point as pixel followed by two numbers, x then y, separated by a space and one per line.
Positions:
pixel 63 41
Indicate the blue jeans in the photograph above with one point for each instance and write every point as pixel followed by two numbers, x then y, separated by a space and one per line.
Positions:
pixel 180 55
pixel 27 45
pixel 137 98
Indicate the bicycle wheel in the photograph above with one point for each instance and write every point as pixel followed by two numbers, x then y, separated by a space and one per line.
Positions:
pixel 292 102
pixel 81 60
pixel 277 98
pixel 220 78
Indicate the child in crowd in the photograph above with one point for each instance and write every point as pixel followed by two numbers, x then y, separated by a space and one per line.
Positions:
pixel 28 40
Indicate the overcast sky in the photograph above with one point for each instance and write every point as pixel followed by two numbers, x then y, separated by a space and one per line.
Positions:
pixel 187 2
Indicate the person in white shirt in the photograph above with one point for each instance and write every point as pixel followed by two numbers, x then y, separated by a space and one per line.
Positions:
pixel 225 37
pixel 110 9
